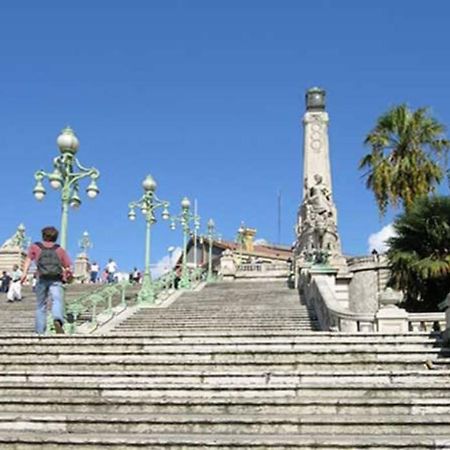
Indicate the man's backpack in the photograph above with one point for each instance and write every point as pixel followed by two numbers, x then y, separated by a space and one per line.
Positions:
pixel 49 265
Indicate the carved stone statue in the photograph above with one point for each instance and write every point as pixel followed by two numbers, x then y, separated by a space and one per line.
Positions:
pixel 319 197
pixel 18 239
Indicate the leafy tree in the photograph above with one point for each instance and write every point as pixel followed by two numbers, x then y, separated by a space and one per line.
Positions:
pixel 403 163
pixel 419 254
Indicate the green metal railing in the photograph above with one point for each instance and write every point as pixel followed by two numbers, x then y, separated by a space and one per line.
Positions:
pixel 101 300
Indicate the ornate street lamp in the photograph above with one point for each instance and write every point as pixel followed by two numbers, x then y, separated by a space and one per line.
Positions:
pixel 240 241
pixel 185 218
pixel 85 243
pixel 148 203
pixel 211 236
pixel 67 174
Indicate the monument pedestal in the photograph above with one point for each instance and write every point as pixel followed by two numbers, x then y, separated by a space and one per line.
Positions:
pixel 81 273
pixel 227 266
pixel 10 256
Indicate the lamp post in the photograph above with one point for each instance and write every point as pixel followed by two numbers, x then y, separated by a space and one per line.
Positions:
pixel 196 228
pixel 148 203
pixel 85 243
pixel 184 218
pixel 66 175
pixel 170 250
pixel 240 240
pixel 211 229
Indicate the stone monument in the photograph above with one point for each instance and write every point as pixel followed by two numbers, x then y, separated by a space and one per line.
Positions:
pixel 13 250
pixel 317 240
pixel 81 273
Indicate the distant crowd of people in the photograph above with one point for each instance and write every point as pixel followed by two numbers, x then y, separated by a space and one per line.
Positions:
pixel 111 274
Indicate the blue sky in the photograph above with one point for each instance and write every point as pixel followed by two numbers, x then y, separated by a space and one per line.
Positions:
pixel 207 96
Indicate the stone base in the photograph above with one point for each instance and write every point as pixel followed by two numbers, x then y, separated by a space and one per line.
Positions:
pixel 11 256
pixel 392 319
pixel 81 273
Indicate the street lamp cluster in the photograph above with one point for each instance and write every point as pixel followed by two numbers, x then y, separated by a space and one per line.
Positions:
pixel 185 218
pixel 66 176
pixel 148 204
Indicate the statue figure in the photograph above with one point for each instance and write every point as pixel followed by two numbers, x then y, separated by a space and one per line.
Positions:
pixel 18 239
pixel 319 197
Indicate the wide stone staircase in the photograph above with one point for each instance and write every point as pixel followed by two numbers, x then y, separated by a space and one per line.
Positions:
pixel 235 365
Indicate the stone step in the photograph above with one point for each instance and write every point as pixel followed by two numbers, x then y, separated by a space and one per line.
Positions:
pixel 131 389
pixel 294 379
pixel 138 441
pixel 240 336
pixel 72 350
pixel 191 346
pixel 245 367
pixel 437 424
pixel 217 405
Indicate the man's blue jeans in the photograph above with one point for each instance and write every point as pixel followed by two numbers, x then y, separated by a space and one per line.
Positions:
pixel 44 288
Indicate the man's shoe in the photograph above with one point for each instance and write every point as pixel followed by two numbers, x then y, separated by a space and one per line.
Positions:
pixel 58 327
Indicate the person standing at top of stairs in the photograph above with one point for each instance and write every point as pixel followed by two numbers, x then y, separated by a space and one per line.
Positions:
pixel 53 267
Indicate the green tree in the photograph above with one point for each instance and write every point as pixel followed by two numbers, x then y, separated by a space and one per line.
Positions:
pixel 404 162
pixel 419 254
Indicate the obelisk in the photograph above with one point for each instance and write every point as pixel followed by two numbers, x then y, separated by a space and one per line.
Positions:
pixel 318 242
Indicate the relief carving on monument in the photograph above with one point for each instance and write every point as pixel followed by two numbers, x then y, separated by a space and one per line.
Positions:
pixel 317 225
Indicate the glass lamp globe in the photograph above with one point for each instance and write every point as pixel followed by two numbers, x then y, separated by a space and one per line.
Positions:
pixel 55 179
pixel 149 184
pixel 39 191
pixel 165 214
pixel 75 202
pixel 185 203
pixel 67 141
pixel 92 190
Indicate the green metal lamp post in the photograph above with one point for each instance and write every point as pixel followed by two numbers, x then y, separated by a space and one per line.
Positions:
pixel 240 241
pixel 85 243
pixel 185 218
pixel 148 203
pixel 211 235
pixel 67 174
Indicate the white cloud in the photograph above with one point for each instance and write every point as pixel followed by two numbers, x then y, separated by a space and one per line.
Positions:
pixel 165 263
pixel 377 241
pixel 260 241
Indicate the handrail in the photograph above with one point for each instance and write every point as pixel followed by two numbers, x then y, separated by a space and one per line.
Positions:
pixel 89 302
pixel 334 317
pixel 331 315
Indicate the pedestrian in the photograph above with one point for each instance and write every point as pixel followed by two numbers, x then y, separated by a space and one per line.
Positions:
pixel 94 272
pixel 53 267
pixel 135 276
pixel 5 280
pixel 111 269
pixel 15 287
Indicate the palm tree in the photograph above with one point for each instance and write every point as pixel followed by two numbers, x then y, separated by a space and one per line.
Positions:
pixel 419 254
pixel 404 160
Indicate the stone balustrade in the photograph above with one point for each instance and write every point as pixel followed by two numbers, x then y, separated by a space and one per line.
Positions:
pixel 319 294
pixel 261 270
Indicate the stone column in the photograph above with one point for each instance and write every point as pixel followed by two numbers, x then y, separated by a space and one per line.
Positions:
pixel 318 240
pixel 390 318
